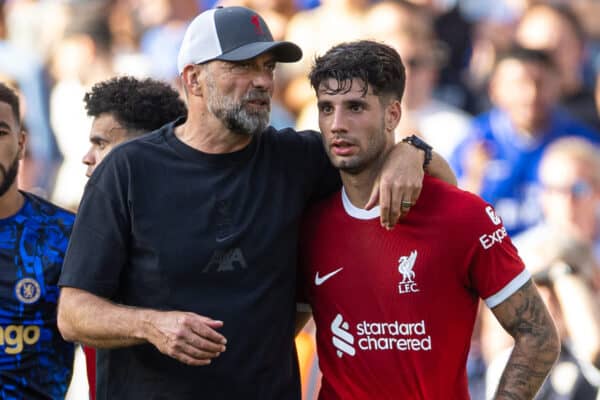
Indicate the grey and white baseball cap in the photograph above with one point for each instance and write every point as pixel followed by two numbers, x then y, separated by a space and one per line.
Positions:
pixel 231 34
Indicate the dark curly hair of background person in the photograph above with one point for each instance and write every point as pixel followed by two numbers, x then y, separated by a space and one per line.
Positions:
pixel 138 105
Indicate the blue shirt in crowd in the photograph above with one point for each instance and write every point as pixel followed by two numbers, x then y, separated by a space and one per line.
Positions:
pixel 510 181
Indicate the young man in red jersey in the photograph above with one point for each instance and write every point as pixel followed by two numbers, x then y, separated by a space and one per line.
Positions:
pixel 395 309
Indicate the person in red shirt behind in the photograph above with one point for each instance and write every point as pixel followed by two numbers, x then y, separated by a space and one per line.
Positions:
pixel 395 309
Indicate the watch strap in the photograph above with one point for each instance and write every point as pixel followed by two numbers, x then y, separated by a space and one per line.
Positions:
pixel 420 144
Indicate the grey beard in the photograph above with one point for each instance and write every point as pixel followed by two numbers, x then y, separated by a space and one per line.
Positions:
pixel 235 116
pixel 238 120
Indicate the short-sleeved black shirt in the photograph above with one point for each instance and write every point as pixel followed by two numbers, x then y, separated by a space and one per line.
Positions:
pixel 164 226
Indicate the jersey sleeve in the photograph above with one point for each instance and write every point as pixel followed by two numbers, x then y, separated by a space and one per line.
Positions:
pixel 496 271
pixel 97 250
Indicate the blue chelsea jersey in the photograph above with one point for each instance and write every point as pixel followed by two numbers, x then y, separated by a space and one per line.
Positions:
pixel 35 362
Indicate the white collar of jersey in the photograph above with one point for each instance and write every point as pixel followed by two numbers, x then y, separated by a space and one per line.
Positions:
pixel 358 213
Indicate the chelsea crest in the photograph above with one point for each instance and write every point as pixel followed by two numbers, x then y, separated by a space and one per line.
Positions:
pixel 28 290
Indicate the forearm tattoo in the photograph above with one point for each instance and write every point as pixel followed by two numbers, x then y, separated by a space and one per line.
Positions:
pixel 525 317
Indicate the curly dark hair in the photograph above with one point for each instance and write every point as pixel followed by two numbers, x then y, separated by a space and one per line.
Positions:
pixel 138 105
pixel 376 64
pixel 9 96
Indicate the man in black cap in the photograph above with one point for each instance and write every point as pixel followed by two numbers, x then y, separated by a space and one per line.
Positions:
pixel 181 264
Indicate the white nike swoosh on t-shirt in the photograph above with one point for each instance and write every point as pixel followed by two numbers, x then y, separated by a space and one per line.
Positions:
pixel 320 280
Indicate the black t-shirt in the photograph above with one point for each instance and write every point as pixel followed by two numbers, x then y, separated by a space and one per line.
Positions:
pixel 164 226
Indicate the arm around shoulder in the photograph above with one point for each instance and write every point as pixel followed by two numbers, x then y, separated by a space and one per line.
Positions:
pixel 439 168
pixel 434 164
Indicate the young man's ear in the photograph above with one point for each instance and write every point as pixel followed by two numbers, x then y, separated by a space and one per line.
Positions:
pixel 393 113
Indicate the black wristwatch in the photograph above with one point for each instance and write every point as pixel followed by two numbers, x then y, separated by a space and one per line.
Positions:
pixel 420 144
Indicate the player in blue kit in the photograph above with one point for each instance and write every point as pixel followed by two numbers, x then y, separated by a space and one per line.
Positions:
pixel 35 362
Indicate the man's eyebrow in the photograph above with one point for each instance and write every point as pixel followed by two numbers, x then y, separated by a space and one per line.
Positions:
pixel 359 100
pixel 98 139
pixel 4 125
pixel 353 101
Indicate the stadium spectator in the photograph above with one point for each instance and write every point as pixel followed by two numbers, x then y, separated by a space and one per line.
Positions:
pixel 82 58
pixel 556 30
pixel 455 31
pixel 563 254
pixel 25 68
pixel 500 157
pixel 409 31
pixel 314 32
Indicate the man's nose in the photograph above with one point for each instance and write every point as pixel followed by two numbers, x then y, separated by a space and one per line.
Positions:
pixel 338 122
pixel 263 79
pixel 89 160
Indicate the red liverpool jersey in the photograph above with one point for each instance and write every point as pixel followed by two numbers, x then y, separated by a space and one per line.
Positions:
pixel 395 309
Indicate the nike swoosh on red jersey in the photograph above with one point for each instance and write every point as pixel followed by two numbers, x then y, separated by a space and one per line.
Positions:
pixel 320 280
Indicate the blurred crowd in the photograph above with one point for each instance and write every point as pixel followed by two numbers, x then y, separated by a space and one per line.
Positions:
pixel 506 90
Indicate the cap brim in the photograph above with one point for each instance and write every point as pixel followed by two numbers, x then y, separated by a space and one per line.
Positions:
pixel 283 51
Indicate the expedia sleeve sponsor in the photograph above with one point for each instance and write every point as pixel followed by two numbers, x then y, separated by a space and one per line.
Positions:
pixel 487 241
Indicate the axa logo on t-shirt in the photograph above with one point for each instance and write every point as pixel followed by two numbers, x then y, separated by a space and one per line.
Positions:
pixel 226 261
pixel 378 336
pixel 405 267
